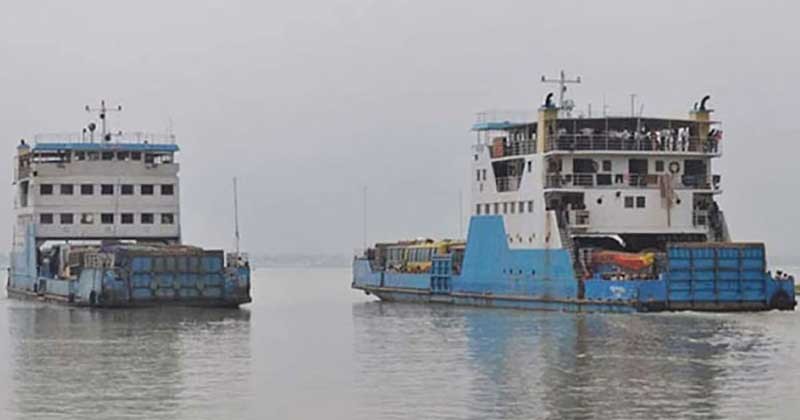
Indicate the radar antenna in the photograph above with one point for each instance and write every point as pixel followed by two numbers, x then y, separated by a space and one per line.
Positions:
pixel 562 85
pixel 103 115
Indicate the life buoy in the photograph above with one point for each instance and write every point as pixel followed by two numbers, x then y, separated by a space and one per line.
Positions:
pixel 674 167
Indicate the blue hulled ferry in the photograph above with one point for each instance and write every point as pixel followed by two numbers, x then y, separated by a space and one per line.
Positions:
pixel 98 224
pixel 609 214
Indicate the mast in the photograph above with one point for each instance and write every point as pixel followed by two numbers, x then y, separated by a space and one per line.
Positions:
pixel 103 114
pixel 236 214
pixel 562 86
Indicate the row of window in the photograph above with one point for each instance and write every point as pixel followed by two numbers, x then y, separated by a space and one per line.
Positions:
pixel 124 156
pixel 508 207
pixel 106 189
pixel 639 202
pixel 106 218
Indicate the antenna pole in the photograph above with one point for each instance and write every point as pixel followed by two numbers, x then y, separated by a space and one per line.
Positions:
pixel 562 85
pixel 103 115
pixel 460 214
pixel 236 214
pixel 364 221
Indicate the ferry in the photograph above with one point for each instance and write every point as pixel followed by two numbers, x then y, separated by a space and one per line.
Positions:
pixel 582 213
pixel 97 224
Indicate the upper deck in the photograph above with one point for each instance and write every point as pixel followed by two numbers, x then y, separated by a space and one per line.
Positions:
pixel 507 135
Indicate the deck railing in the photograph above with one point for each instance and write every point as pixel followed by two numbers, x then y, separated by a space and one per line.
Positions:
pixel 581 180
pixel 509 183
pixel 514 148
pixel 604 142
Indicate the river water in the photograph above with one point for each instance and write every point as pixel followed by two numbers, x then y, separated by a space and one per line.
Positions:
pixel 309 347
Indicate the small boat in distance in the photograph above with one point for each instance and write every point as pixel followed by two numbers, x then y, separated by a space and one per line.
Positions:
pixel 609 214
pixel 97 223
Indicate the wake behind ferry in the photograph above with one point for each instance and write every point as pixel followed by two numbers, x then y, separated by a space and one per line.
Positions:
pixel 611 214
pixel 98 224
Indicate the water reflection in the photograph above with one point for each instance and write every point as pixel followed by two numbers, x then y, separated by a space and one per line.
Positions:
pixel 77 363
pixel 450 362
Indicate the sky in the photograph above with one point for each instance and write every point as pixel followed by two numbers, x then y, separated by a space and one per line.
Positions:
pixel 308 102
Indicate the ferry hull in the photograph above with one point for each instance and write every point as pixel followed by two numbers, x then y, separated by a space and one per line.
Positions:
pixel 709 277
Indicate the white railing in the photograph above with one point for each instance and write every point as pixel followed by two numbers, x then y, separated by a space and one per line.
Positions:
pixel 505 116
pixel 606 142
pixel 509 183
pixel 133 137
pixel 697 182
pixel 514 148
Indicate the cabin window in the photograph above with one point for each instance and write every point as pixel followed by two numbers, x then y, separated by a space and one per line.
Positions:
pixel 126 189
pixel 496 208
pixel 123 155
pixel 108 156
pixel 486 208
pixel 147 218
pixel 136 155
pixel 606 166
pixel 107 218
pixel 107 189
pixel 513 206
pixel 478 175
pixel 505 208
pixel 67 189
pixel 530 166
pixel 93 155
pixel 147 189
pixel 522 207
pixel 167 218
pixel 65 218
pixel 149 158
pixel 80 156
pixel 46 218
pixel 478 209
pixel 530 206
pixel 640 202
pixel 628 202
pixel 126 218
pixel 659 166
pixel 46 189
pixel 87 218
pixel 167 189
pixel 87 189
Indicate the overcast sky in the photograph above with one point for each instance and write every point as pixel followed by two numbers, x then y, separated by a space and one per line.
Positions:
pixel 308 101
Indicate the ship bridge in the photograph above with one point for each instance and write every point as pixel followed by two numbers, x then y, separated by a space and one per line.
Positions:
pixel 113 187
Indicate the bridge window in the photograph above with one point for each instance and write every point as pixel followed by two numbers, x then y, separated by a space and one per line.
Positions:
pixel 107 218
pixel 67 189
pixel 66 218
pixel 123 155
pixel 46 189
pixel 136 155
pixel 108 155
pixel 87 189
pixel 126 218
pixel 167 189
pixel 87 218
pixel 107 189
pixel 126 189
pixel 167 218
pixel 147 218
pixel 46 218
pixel 147 189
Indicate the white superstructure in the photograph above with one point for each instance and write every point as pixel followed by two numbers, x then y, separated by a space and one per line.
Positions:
pixel 114 187
pixel 637 181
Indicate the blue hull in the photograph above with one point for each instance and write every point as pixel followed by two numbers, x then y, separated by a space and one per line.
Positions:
pixel 711 277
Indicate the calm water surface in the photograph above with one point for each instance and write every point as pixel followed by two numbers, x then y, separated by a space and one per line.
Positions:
pixel 309 347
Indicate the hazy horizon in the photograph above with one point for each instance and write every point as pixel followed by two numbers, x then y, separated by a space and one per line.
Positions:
pixel 308 102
